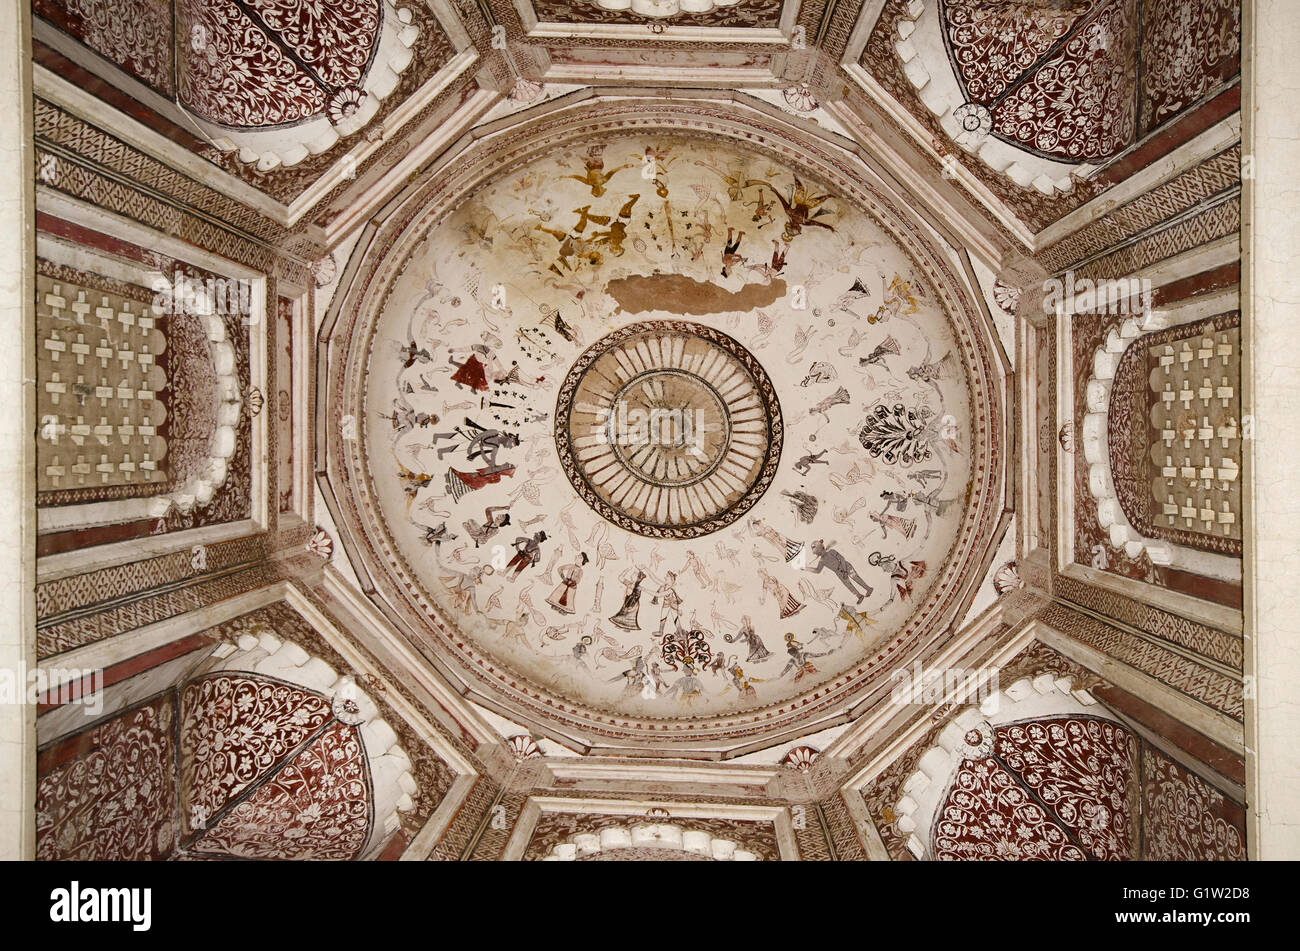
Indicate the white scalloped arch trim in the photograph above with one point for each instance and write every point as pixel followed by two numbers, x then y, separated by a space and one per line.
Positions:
pixel 917 37
pixel 649 835
pixel 663 8
pixel 1039 697
pixel 200 489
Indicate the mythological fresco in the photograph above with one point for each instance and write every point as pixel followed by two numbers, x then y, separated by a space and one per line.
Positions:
pixel 667 427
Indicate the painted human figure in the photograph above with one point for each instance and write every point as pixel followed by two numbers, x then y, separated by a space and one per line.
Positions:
pixel 480 442
pixel 495 518
pixel 746 635
pixel 904 526
pixel 670 603
pixel 894 500
pixel 786 603
pixel 626 618
pixel 528 551
pixel 828 558
pixel 744 685
pixel 788 547
pixel 903 573
pixel 805 463
pixel 580 651
pixel 687 687
pixel 436 536
pixel 517 630
pixel 800 659
pixel 566 593
pixel 463 586
pixel 730 253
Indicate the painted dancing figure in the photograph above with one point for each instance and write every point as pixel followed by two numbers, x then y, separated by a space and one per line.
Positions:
pixel 788 547
pixel 528 551
pixel 746 635
pixel 626 618
pixel 800 660
pixel 495 518
pixel 566 593
pixel 828 558
pixel 787 604
pixel 670 603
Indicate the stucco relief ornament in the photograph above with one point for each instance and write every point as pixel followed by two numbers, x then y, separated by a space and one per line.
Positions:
pixel 801 758
pixel 254 401
pixel 1007 578
pixel 344 704
pixel 976 123
pixel 325 270
pixel 345 104
pixel 523 746
pixel 321 544
pixel 525 91
pixel 800 98
pixel 977 742
pixel 1007 297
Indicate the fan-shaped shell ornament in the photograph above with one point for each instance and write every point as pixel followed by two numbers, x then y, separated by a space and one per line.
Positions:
pixel 523 747
pixel 1006 296
pixel 321 544
pixel 254 400
pixel 1066 437
pixel 325 270
pixel 801 758
pixel 345 104
pixel 658 813
pixel 525 90
pixel 1007 578
pixel 800 98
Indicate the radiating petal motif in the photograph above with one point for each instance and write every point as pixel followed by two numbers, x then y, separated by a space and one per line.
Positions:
pixel 1084 771
pixel 988 816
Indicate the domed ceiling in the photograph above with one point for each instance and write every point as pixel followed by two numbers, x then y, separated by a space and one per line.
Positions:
pixel 665 434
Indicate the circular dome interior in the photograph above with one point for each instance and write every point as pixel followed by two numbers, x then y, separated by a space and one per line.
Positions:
pixel 664 428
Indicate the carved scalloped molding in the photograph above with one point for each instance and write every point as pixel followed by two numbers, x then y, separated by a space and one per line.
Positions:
pixel 650 835
pixel 918 37
pixel 276 148
pixel 1041 696
pixel 663 8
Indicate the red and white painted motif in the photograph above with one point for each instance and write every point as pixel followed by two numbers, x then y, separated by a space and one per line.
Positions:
pixel 1079 105
pixel 316 807
pixel 114 802
pixel 1083 770
pixel 990 816
pixel 234 731
pixel 280 65
pixel 1185 818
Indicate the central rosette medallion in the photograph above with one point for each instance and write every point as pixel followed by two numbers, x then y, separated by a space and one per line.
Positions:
pixel 668 428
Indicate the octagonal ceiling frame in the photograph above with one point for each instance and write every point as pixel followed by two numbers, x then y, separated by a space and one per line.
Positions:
pixel 468 167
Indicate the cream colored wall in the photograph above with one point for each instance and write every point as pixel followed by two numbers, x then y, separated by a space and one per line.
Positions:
pixel 17 489
pixel 1271 291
